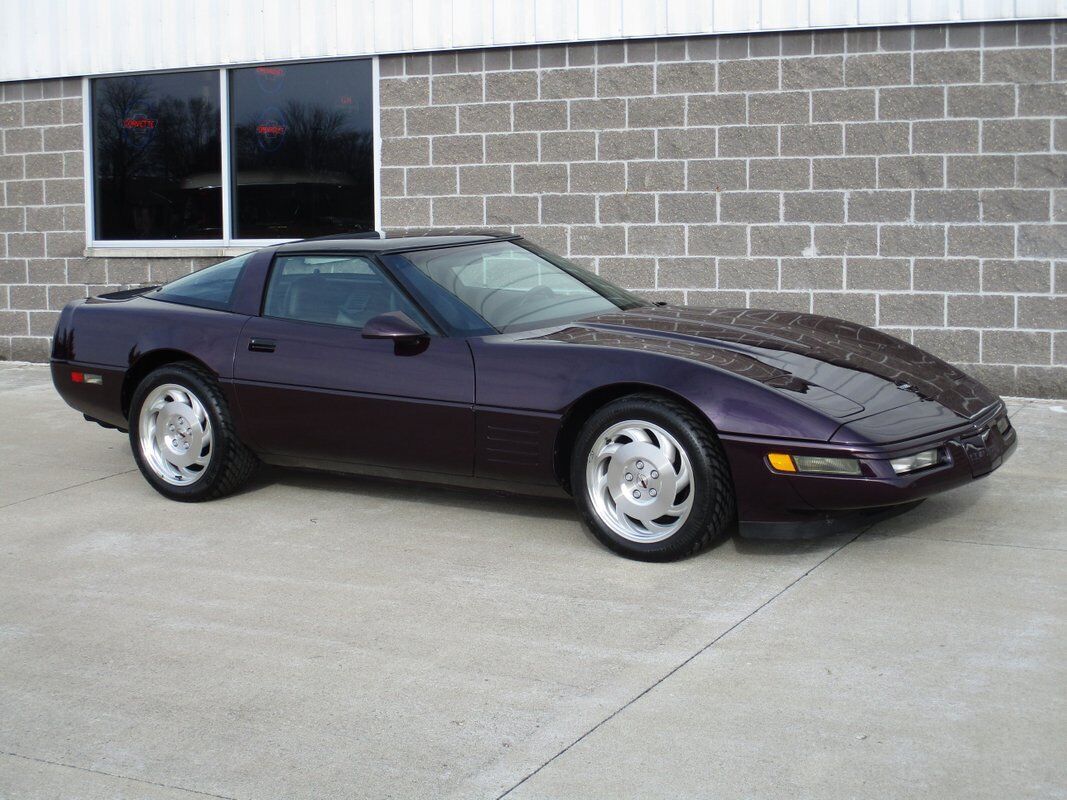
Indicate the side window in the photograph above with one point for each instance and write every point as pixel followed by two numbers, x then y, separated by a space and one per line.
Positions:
pixel 348 290
pixel 211 287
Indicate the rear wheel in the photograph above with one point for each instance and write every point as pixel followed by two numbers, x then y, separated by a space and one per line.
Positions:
pixel 183 438
pixel 651 479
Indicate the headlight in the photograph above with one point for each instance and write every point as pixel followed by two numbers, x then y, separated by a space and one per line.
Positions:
pixel 913 463
pixel 824 465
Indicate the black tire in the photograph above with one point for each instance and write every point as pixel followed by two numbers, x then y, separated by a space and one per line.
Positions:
pixel 231 463
pixel 713 504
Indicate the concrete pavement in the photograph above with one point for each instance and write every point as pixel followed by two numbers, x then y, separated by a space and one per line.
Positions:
pixel 319 636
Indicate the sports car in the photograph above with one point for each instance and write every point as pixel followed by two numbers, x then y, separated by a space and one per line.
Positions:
pixel 478 358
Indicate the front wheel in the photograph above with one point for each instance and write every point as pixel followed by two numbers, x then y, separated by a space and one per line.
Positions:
pixel 183 438
pixel 651 479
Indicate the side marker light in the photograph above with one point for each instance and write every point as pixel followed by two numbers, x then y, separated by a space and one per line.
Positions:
pixel 781 462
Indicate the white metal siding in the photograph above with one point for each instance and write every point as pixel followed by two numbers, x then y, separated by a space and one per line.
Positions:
pixel 53 38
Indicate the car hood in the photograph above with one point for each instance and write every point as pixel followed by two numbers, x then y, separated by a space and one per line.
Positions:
pixel 839 367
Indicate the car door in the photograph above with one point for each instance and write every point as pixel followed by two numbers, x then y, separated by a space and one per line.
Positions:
pixel 312 389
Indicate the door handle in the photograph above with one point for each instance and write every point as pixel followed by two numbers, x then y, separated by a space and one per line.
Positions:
pixel 262 345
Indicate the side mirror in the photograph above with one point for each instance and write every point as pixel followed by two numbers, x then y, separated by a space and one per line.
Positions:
pixel 394 325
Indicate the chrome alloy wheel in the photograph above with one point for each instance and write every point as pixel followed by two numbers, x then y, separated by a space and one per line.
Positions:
pixel 640 481
pixel 175 434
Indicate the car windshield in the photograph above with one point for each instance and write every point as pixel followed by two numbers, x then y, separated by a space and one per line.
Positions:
pixel 516 287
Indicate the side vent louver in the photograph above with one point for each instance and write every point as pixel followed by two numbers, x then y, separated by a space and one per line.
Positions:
pixel 511 445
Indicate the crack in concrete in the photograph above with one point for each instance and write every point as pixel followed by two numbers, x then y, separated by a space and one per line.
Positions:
pixel 114 775
pixel 984 544
pixel 67 488
pixel 686 661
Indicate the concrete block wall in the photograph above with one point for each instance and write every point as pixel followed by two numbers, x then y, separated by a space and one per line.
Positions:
pixel 42 219
pixel 909 178
pixel 42 216
pixel 914 179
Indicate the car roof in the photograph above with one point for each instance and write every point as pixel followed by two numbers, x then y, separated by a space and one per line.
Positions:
pixel 376 243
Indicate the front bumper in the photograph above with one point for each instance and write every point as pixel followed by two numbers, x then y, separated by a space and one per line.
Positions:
pixel 773 504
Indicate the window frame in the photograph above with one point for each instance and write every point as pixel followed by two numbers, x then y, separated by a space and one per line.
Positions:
pixel 228 244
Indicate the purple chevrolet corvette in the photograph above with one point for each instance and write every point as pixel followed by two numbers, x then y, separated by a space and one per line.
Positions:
pixel 481 359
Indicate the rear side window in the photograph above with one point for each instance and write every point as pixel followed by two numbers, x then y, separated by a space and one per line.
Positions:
pixel 211 287
pixel 348 291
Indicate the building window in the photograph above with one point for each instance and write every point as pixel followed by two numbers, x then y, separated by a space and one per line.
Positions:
pixel 303 140
pixel 157 156
pixel 217 157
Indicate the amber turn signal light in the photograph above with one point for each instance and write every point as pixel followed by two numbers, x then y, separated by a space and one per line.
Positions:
pixel 781 462
pixel 816 465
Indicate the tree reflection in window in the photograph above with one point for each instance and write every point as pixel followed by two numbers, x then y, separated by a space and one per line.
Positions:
pixel 157 156
pixel 303 146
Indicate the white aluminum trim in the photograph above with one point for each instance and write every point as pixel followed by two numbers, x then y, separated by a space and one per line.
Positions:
pixel 226 166
pixel 57 38
pixel 156 245
pixel 87 160
pixel 376 143
pixel 170 252
pixel 125 244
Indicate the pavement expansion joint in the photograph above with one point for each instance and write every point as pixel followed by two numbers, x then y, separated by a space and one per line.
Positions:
pixel 67 488
pixel 115 775
pixel 687 660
